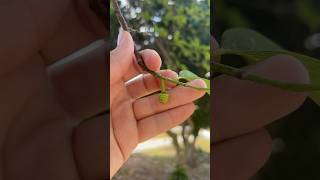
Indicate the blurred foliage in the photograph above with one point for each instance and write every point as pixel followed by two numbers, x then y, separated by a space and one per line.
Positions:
pixel 179 31
pixel 179 174
pixel 294 24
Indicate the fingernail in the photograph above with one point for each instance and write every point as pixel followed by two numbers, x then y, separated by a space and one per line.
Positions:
pixel 198 83
pixel 121 38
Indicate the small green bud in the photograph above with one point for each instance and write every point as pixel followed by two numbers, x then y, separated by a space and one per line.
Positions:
pixel 164 97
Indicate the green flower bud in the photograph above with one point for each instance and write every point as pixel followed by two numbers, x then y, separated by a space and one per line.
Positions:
pixel 164 97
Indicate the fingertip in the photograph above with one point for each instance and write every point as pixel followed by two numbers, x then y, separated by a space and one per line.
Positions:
pixel 169 74
pixel 198 83
pixel 124 38
pixel 151 59
pixel 190 94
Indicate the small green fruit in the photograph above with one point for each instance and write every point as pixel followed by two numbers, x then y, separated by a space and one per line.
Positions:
pixel 164 97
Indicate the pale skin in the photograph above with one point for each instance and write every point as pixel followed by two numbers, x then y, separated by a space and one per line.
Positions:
pixel 136 117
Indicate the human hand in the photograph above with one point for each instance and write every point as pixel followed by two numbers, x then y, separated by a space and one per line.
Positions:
pixel 240 145
pixel 135 116
pixel 46 94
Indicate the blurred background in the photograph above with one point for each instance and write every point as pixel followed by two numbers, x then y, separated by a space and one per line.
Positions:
pixel 295 25
pixel 179 30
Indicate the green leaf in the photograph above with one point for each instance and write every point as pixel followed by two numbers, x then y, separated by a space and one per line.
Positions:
pixel 180 173
pixel 255 47
pixel 190 76
pixel 247 40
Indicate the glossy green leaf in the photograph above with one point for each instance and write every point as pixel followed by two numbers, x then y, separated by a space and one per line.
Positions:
pixel 189 76
pixel 247 40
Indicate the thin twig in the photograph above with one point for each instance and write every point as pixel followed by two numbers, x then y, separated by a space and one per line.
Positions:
pixel 121 19
pixel 244 75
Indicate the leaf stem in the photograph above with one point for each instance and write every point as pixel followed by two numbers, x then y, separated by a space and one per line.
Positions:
pixel 162 85
pixel 244 75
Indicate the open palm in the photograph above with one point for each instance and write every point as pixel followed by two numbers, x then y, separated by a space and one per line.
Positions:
pixel 135 114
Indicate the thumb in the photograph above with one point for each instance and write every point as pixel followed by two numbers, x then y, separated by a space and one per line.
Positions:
pixel 124 39
pixel 121 57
